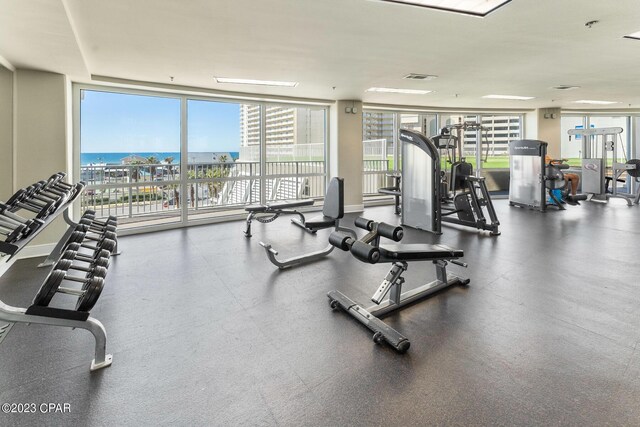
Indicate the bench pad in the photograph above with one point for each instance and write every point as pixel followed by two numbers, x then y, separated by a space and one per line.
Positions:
pixel 276 206
pixel 419 252
pixel 320 222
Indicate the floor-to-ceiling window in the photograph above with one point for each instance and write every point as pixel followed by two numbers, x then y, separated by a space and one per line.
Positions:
pixel 484 145
pixel 154 159
pixel 379 136
pixel 295 158
pixel 130 155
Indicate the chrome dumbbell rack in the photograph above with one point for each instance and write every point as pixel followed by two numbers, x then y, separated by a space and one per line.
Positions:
pixel 10 315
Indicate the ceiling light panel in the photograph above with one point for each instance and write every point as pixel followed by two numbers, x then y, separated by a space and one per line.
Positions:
pixel 589 101
pixel 468 7
pixel 635 36
pixel 256 82
pixel 512 97
pixel 394 90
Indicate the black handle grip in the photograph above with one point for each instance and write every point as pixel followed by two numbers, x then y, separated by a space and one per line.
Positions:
pixel 341 240
pixel 389 231
pixel 364 252
pixel 364 223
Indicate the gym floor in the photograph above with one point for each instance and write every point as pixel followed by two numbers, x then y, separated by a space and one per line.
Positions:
pixel 205 331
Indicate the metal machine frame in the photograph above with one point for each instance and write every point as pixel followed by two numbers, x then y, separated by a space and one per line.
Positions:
pixel 594 168
pixel 422 193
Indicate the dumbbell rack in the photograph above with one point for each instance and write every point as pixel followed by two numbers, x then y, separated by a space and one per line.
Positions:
pixel 49 315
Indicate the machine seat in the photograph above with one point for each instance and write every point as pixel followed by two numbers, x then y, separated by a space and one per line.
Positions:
pixel 275 206
pixel 320 222
pixel 419 252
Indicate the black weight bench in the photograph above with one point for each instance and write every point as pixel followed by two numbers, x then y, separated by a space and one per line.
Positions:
pixel 332 212
pixel 368 250
pixel 271 211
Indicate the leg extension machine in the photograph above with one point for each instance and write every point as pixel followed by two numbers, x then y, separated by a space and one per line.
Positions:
pixel 370 251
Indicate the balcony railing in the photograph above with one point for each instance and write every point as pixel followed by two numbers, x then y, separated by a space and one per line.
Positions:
pixel 140 192
pixel 374 176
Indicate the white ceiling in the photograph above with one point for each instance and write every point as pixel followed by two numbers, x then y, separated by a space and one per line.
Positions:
pixel 523 48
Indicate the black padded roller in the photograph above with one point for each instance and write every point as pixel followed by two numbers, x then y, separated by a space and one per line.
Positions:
pixel 365 253
pixel 364 223
pixel 389 231
pixel 341 240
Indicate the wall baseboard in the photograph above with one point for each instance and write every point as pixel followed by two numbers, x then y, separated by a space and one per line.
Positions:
pixel 353 208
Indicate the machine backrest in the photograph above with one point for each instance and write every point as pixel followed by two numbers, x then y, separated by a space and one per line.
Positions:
pixel 334 199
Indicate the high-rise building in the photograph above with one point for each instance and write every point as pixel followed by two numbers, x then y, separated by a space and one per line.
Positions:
pixel 285 128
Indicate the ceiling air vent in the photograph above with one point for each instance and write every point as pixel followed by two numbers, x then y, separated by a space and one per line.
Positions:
pixel 414 76
pixel 565 87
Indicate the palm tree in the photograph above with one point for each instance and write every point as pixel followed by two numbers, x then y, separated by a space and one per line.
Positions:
pixel 171 170
pixel 152 160
pixel 135 171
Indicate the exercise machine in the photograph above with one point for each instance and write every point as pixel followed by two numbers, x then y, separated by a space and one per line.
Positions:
pixel 369 250
pixel 533 181
pixel 601 166
pixel 332 212
pixel 395 190
pixel 423 192
pixel 271 211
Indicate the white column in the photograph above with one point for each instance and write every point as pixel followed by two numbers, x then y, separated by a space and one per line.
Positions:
pixel 544 124
pixel 345 150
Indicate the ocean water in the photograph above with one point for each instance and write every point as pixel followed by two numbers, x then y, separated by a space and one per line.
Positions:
pixel 116 158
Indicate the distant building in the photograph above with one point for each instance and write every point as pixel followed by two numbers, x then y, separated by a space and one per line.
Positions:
pixel 133 159
pixel 210 157
pixel 287 129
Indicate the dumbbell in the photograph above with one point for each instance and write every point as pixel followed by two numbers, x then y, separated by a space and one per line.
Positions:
pixel 88 295
pixel 12 234
pixel 9 217
pixel 95 226
pixel 48 189
pixel 111 220
pixel 20 199
pixel 106 242
pixel 40 193
pixel 100 261
pixel 67 264
pixel 97 254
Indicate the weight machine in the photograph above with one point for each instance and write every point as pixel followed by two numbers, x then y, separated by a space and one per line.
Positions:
pixel 599 146
pixel 423 192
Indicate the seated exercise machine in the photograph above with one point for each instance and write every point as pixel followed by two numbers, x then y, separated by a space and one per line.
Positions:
pixel 272 210
pixel 368 249
pixel 532 180
pixel 394 190
pixel 601 164
pixel 332 212
pixel 424 190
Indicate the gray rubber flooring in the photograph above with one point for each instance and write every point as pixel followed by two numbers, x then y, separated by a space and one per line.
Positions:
pixel 205 331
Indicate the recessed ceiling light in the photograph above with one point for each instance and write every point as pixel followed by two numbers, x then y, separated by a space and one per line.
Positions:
pixel 468 7
pixel 255 82
pixel 415 76
pixel 518 98
pixel 635 36
pixel 588 101
pixel 392 90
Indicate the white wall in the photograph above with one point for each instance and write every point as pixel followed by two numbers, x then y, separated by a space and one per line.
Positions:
pixel 41 135
pixel 6 133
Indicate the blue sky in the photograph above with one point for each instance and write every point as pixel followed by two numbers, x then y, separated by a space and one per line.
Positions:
pixel 122 123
